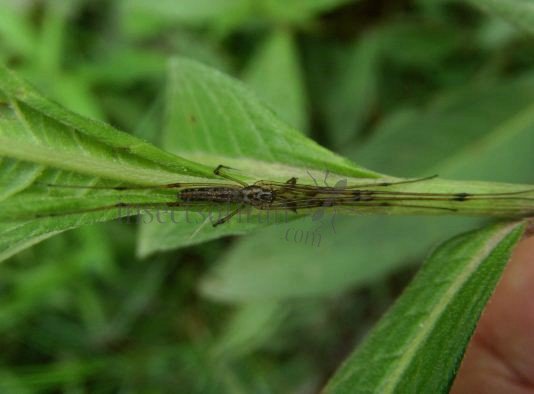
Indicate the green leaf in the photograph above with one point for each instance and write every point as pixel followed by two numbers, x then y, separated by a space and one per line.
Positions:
pixel 447 296
pixel 40 142
pixel 214 119
pixel 37 130
pixel 518 12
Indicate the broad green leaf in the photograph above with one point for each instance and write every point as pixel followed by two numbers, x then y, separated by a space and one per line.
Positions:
pixel 40 142
pixel 518 12
pixel 487 134
pixel 37 130
pixel 275 74
pixel 213 119
pixel 446 297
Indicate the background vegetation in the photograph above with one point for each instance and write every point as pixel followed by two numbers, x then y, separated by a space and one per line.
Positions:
pixel 407 88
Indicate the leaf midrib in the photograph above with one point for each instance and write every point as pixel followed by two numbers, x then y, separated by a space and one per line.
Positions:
pixel 87 165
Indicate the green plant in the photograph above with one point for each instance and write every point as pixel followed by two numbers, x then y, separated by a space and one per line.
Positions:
pixel 209 119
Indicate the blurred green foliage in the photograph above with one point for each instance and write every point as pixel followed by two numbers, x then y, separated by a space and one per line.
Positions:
pixel 408 87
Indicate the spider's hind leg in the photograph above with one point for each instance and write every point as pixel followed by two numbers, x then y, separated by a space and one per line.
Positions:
pixel 291 181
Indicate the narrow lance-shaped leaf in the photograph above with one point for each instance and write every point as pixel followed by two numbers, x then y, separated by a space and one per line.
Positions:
pixel 37 130
pixel 490 129
pixel 433 320
pixel 214 119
